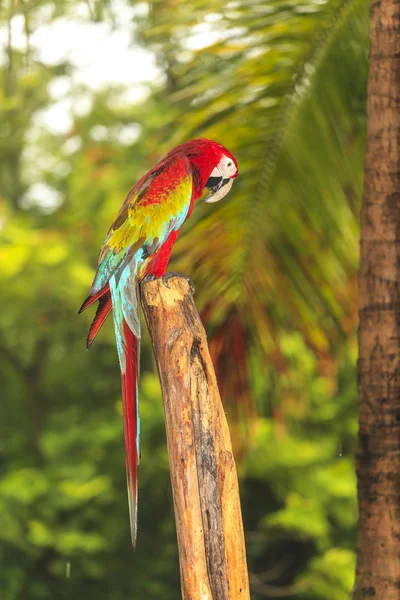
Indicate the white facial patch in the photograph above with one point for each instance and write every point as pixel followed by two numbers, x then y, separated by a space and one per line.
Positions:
pixel 226 167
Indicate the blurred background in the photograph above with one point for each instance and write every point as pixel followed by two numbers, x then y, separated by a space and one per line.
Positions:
pixel 92 94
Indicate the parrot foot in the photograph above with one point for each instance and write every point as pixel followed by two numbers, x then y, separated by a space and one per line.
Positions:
pixel 168 276
pixel 148 278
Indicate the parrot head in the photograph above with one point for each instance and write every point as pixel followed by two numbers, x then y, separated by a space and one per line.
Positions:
pixel 214 167
pixel 221 177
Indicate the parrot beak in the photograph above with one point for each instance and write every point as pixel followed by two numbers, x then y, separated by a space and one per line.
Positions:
pixel 218 187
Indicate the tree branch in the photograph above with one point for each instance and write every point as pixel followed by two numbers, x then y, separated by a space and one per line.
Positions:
pixel 203 474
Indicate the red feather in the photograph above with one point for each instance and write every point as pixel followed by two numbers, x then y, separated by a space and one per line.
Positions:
pixel 103 310
pixel 89 301
pixel 130 382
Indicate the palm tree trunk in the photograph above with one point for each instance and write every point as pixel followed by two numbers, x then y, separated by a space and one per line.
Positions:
pixel 378 459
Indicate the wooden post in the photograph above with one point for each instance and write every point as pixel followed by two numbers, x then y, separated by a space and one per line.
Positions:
pixel 205 488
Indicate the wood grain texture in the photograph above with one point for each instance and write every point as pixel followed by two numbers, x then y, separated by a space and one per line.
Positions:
pixel 203 474
pixel 378 456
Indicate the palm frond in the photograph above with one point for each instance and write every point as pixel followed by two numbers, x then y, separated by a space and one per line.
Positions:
pixel 281 252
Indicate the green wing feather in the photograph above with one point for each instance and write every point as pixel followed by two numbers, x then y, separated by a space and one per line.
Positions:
pixel 156 206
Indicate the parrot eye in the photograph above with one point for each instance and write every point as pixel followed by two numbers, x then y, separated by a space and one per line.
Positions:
pixel 229 164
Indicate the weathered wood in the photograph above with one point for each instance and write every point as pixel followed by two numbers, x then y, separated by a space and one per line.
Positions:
pixel 203 474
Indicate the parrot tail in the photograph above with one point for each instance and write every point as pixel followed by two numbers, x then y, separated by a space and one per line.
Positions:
pixel 125 301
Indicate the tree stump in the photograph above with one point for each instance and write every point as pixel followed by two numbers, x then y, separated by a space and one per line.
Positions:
pixel 205 488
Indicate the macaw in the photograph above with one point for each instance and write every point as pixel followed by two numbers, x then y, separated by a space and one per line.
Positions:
pixel 137 248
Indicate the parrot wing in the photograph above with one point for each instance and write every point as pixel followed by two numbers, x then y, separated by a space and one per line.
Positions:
pixel 156 206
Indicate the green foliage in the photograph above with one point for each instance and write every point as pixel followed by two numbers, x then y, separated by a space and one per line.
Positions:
pixel 283 86
pixel 331 575
pixel 302 465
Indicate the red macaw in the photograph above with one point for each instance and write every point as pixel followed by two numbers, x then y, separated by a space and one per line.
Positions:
pixel 138 247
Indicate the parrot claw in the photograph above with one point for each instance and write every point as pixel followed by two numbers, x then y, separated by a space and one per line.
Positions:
pixel 168 276
pixel 148 278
